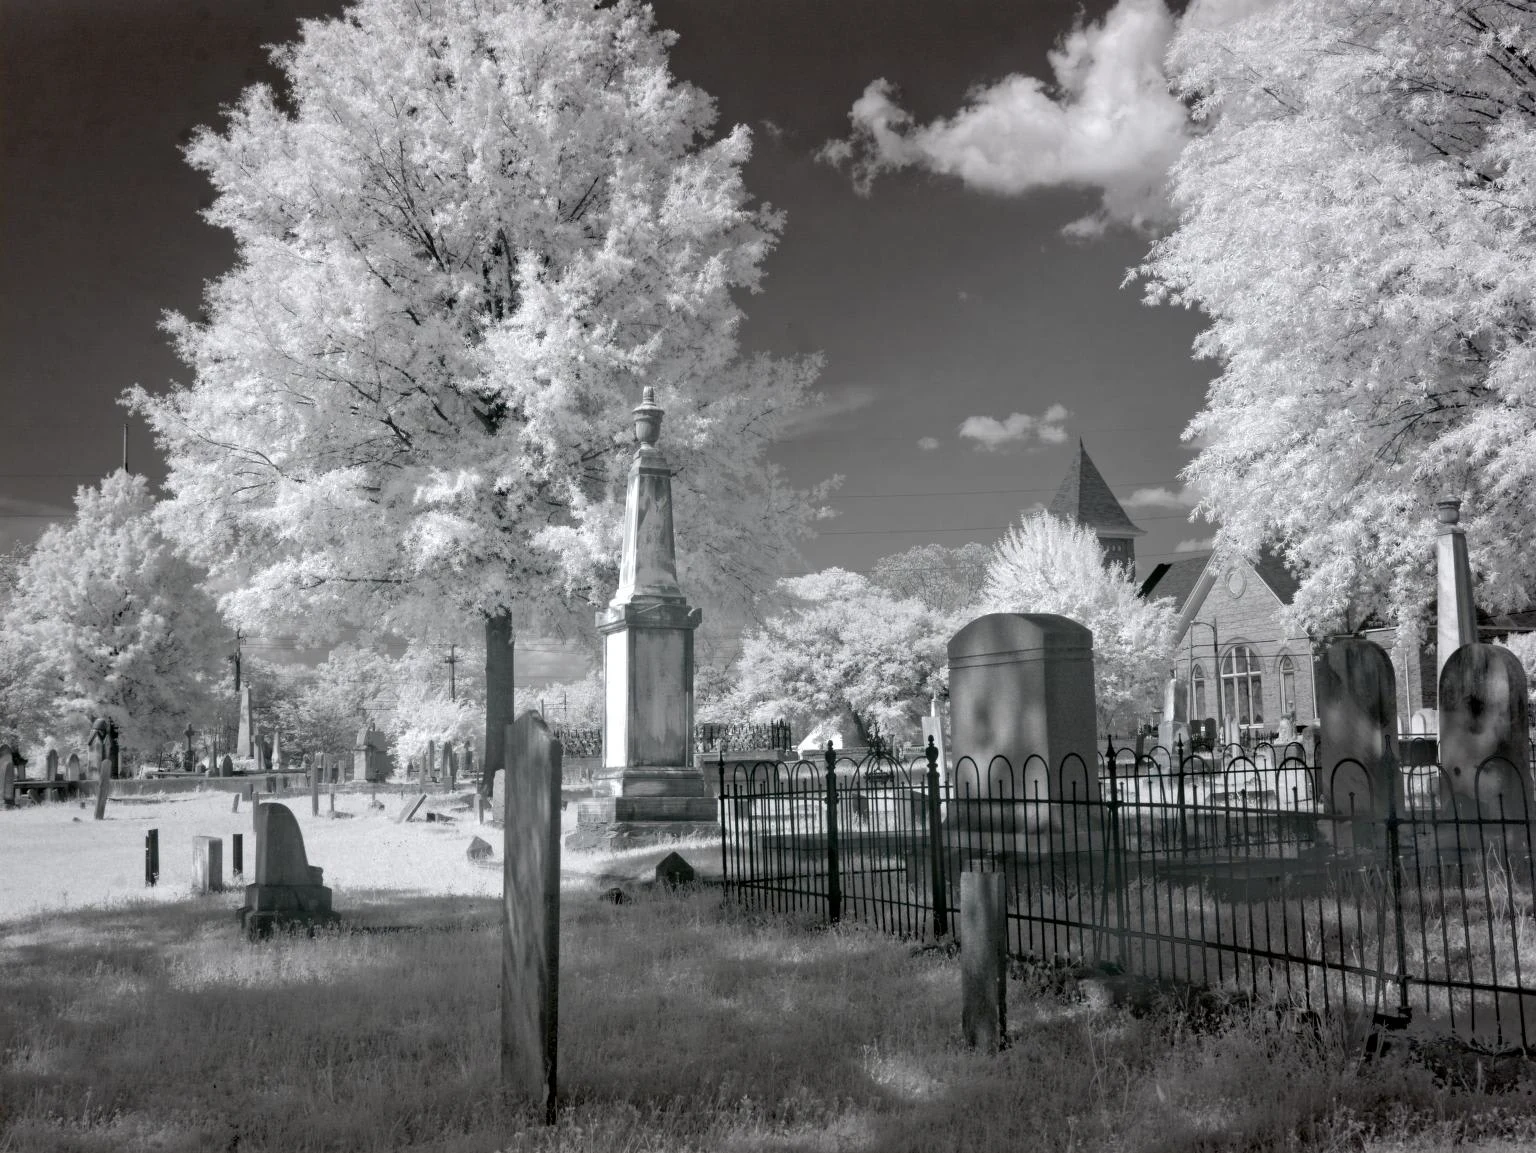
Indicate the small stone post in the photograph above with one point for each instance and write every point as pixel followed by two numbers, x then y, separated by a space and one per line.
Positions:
pixel 984 956
pixel 314 788
pixel 530 958
pixel 103 788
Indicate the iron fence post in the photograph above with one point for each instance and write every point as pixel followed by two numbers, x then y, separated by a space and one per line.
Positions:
pixel 1395 882
pixel 1183 818
pixel 725 831
pixel 834 869
pixel 936 845
pixel 1112 854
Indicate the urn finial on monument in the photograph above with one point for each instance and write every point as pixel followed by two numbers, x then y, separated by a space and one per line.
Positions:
pixel 648 418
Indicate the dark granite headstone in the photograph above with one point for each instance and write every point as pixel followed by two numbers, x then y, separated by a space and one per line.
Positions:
pixel 7 777
pixel 226 766
pixel 288 890
pixel 51 770
pixel 672 871
pixel 478 850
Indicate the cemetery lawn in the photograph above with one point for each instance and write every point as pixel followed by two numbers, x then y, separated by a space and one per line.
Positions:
pixel 146 1023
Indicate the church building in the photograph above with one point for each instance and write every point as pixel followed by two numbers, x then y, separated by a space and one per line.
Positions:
pixel 1085 498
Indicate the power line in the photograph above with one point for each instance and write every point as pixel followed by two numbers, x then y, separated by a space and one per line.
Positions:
pixel 976 492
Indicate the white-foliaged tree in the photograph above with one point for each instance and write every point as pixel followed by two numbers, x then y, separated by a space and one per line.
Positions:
pixel 468 234
pixel 1045 564
pixel 111 622
pixel 842 646
pixel 1358 220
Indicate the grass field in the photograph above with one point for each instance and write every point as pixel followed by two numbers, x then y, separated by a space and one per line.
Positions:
pixel 149 1024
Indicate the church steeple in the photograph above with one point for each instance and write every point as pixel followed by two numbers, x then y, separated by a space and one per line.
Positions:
pixel 1084 497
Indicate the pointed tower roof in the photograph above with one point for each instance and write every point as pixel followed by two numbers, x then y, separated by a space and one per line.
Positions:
pixel 1085 498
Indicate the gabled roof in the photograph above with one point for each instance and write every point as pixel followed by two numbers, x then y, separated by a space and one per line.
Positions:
pixel 1272 569
pixel 1084 497
pixel 1176 579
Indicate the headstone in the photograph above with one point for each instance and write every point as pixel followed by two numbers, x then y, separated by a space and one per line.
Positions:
pixel 1455 614
pixel 1357 762
pixel 1425 722
pixel 72 768
pixel 103 788
pixel 478 850
pixel 7 777
pixel 235 808
pixel 277 751
pixel 314 788
pixel 207 864
pixel 1175 700
pixel 1286 733
pixel 259 754
pixel 151 857
pixel 1021 688
pixel 51 769
pixel 226 766
pixel 236 854
pixel 411 808
pixel 1485 755
pixel 449 769
pixel 430 763
pixel 287 889
pixel 530 957
pixel 984 957
pixel 672 871
pixel 245 735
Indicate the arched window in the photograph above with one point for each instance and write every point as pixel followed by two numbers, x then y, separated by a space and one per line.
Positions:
pixel 1242 688
pixel 1197 692
pixel 1287 686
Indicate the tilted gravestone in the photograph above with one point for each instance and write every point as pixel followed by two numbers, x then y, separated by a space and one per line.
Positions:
pixel 1357 761
pixel 287 890
pixel 411 807
pixel 72 768
pixel 103 788
pixel 1485 757
pixel 530 956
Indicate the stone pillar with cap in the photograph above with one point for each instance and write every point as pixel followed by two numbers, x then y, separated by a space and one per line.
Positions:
pixel 648 789
pixel 1456 615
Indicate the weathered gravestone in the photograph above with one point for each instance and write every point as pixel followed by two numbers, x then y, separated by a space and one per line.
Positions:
pixel 411 807
pixel 103 789
pixel 1357 763
pixel 226 766
pixel 72 768
pixel 451 766
pixel 207 864
pixel 1485 757
pixel 478 850
pixel 984 956
pixel 51 768
pixel 530 958
pixel 287 890
pixel 1022 717
pixel 7 777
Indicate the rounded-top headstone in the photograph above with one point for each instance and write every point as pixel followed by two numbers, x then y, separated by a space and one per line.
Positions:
pixel 1484 743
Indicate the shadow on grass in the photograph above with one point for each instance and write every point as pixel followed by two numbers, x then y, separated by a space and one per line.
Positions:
pixel 685 1024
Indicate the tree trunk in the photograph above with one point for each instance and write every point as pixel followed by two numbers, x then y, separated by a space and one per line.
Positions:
pixel 499 691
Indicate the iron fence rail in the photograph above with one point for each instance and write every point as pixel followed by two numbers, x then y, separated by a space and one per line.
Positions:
pixel 1262 875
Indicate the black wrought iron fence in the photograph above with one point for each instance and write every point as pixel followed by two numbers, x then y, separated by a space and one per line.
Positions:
pixel 1257 873
pixel 740 735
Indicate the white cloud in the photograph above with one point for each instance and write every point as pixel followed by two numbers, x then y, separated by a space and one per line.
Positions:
pixel 1196 545
pixel 1109 122
pixel 991 434
pixel 1161 497
pixel 822 413
pixel 928 443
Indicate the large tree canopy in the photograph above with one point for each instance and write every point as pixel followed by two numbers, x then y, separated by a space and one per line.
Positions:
pixel 468 232
pixel 1356 221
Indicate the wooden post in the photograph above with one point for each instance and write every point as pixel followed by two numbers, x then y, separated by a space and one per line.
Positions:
pixel 984 956
pixel 530 957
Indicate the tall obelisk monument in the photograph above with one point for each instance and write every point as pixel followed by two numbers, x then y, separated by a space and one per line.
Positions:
pixel 648 789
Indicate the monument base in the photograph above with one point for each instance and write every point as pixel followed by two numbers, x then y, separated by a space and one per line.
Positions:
pixel 645 805
pixel 269 907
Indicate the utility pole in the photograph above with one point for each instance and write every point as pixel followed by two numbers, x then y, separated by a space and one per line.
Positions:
pixel 451 661
pixel 125 446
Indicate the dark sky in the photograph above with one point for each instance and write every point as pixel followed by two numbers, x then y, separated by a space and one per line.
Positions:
pixel 932 302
